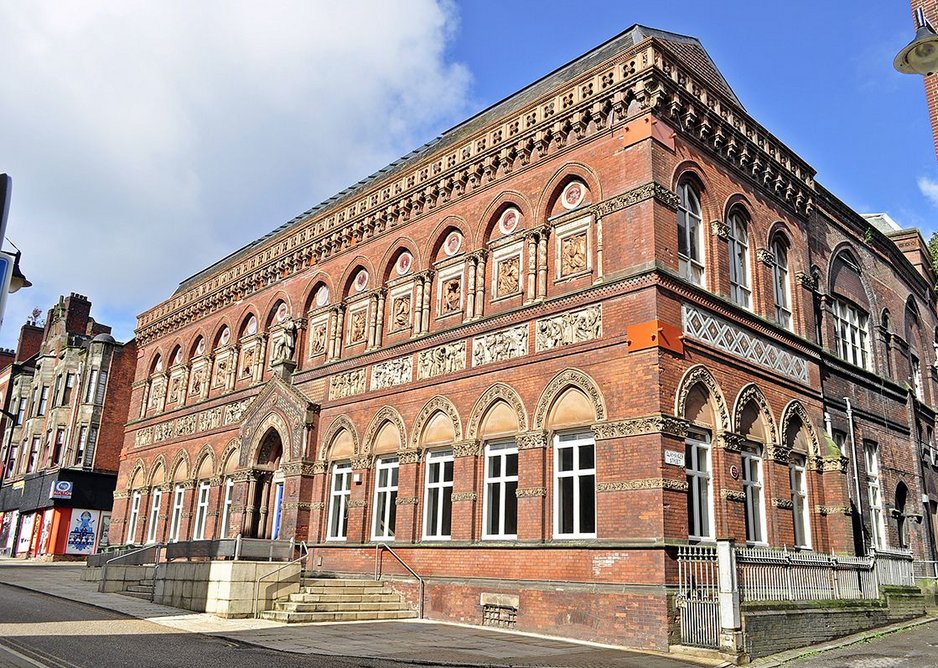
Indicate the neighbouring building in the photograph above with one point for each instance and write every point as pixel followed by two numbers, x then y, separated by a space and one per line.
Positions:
pixel 66 393
pixel 605 318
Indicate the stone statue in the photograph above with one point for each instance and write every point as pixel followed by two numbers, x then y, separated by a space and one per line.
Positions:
pixel 286 343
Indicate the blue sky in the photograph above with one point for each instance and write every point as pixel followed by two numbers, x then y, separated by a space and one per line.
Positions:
pixel 147 141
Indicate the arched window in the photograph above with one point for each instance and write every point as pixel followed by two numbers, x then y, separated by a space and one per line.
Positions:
pixel 740 283
pixel 690 234
pixel 780 282
pixel 850 308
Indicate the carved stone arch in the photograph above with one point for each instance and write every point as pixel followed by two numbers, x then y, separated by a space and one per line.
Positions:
pixel 230 450
pixel 495 208
pixel 351 271
pixel 436 238
pixel 793 410
pixel 779 228
pixel 340 423
pixel 691 172
pixel 215 341
pixel 205 452
pixel 384 415
pixel 739 201
pixel 498 392
pixel 438 404
pixel 699 374
pixel 253 440
pixel 569 378
pixel 847 249
pixel 157 359
pixel 295 411
pixel 181 459
pixel 752 393
pixel 141 468
pixel 242 321
pixel 160 461
pixel 558 181
pixel 194 344
pixel 395 248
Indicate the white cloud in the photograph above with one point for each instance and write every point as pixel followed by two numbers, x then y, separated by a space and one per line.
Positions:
pixel 147 140
pixel 929 188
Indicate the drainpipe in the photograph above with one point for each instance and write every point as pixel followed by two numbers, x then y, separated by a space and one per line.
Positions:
pixel 853 448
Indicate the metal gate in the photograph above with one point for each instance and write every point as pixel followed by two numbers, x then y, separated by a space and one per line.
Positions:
pixel 698 597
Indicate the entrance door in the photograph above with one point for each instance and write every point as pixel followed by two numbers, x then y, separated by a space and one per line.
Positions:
pixel 278 506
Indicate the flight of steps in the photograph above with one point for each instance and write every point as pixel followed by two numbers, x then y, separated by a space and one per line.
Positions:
pixel 141 589
pixel 336 600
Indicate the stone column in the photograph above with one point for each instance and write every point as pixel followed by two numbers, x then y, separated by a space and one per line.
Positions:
pixel 379 328
pixel 480 284
pixel 372 321
pixel 599 250
pixel 261 362
pixel 465 523
pixel 317 507
pixel 533 518
pixel 427 292
pixel 470 289
pixel 529 293
pixel 542 263
pixel 146 398
pixel 250 510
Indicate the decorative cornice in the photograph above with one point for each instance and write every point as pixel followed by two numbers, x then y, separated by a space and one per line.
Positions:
pixel 783 503
pixel 652 189
pixel 406 501
pixel 732 495
pixel 650 424
pixel 642 483
pixel 464 496
pixel 357 503
pixel 528 492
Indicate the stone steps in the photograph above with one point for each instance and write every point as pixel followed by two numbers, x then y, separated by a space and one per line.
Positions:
pixel 339 600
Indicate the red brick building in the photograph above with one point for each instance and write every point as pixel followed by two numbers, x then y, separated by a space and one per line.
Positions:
pixel 66 392
pixel 608 316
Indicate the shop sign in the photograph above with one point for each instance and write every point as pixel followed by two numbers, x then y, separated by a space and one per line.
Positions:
pixel 61 489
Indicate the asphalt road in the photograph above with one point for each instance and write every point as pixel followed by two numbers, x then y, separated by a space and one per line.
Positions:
pixel 912 648
pixel 41 631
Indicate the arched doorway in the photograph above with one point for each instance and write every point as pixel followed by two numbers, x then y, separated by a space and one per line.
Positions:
pixel 267 497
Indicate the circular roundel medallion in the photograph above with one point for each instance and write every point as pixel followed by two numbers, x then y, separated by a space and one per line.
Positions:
pixel 734 472
pixel 361 280
pixel 404 263
pixel 225 336
pixel 453 243
pixel 281 312
pixel 573 195
pixel 509 220
pixel 251 326
pixel 322 296
pixel 200 347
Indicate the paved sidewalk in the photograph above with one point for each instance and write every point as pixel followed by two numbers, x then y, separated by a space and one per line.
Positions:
pixel 416 642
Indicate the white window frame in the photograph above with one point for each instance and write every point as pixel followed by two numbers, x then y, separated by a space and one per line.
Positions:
pixel 201 511
pixel 699 469
pixel 800 506
pixel 154 515
pixel 754 491
pixel 875 494
pixel 226 507
pixel 179 495
pixel 780 282
pixel 916 369
pixel 134 516
pixel 690 235
pixel 579 473
pixel 740 266
pixel 851 333
pixel 505 484
pixel 385 498
pixel 339 493
pixel 438 495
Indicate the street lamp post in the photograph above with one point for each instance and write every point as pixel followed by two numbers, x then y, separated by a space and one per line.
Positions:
pixel 920 56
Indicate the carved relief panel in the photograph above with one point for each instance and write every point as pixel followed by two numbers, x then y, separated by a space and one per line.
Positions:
pixel 443 359
pixel 224 368
pixel 177 385
pixel 506 270
pixel 563 329
pixel 400 316
pixel 198 377
pixel 500 346
pixel 357 323
pixel 393 372
pixel 318 334
pixel 573 248
pixel 346 384
pixel 450 289
pixel 248 360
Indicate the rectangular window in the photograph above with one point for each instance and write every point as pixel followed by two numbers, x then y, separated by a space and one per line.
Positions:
pixel 11 461
pixel 755 498
pixel 871 451
pixel 134 515
pixel 740 288
pixel 43 400
pixel 55 390
pixel 501 483
pixel 154 515
pixel 21 411
pixel 101 388
pixel 179 494
pixel 201 512
pixel 67 391
pixel 226 507
pixel 574 486
pixel 799 502
pixel 59 444
pixel 33 455
pixel 338 501
pixel 699 488
pixel 92 384
pixel 385 520
pixel 34 403
pixel 46 459
pixel 851 333
pixel 82 442
pixel 438 499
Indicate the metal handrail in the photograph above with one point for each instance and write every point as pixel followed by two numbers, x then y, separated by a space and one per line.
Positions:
pixel 125 555
pixel 394 554
pixel 257 583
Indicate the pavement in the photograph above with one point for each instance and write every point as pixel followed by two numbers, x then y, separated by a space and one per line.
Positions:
pixel 412 642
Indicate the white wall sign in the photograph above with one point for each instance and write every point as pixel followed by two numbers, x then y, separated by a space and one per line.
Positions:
pixel 674 457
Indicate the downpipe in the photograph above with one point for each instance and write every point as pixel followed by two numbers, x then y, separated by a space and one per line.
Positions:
pixel 853 448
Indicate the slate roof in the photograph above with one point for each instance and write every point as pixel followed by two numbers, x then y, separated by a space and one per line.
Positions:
pixel 686 48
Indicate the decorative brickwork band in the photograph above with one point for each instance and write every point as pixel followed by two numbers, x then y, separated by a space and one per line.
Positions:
pixel 833 510
pixel 301 505
pixel 720 229
pixel 464 496
pixel 357 503
pixel 531 440
pixel 732 495
pixel 783 503
pixel 406 501
pixel 649 424
pixel 644 192
pixel 642 483
pixel 317 505
pixel 467 449
pixel 408 457
pixel 528 492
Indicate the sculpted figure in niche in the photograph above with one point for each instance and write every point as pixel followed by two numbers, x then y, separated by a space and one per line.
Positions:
pixel 283 350
pixel 174 390
pixel 357 327
pixel 156 393
pixel 197 380
pixel 317 344
pixel 221 368
pixel 247 366
pixel 452 293
pixel 573 254
pixel 508 275
pixel 401 311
